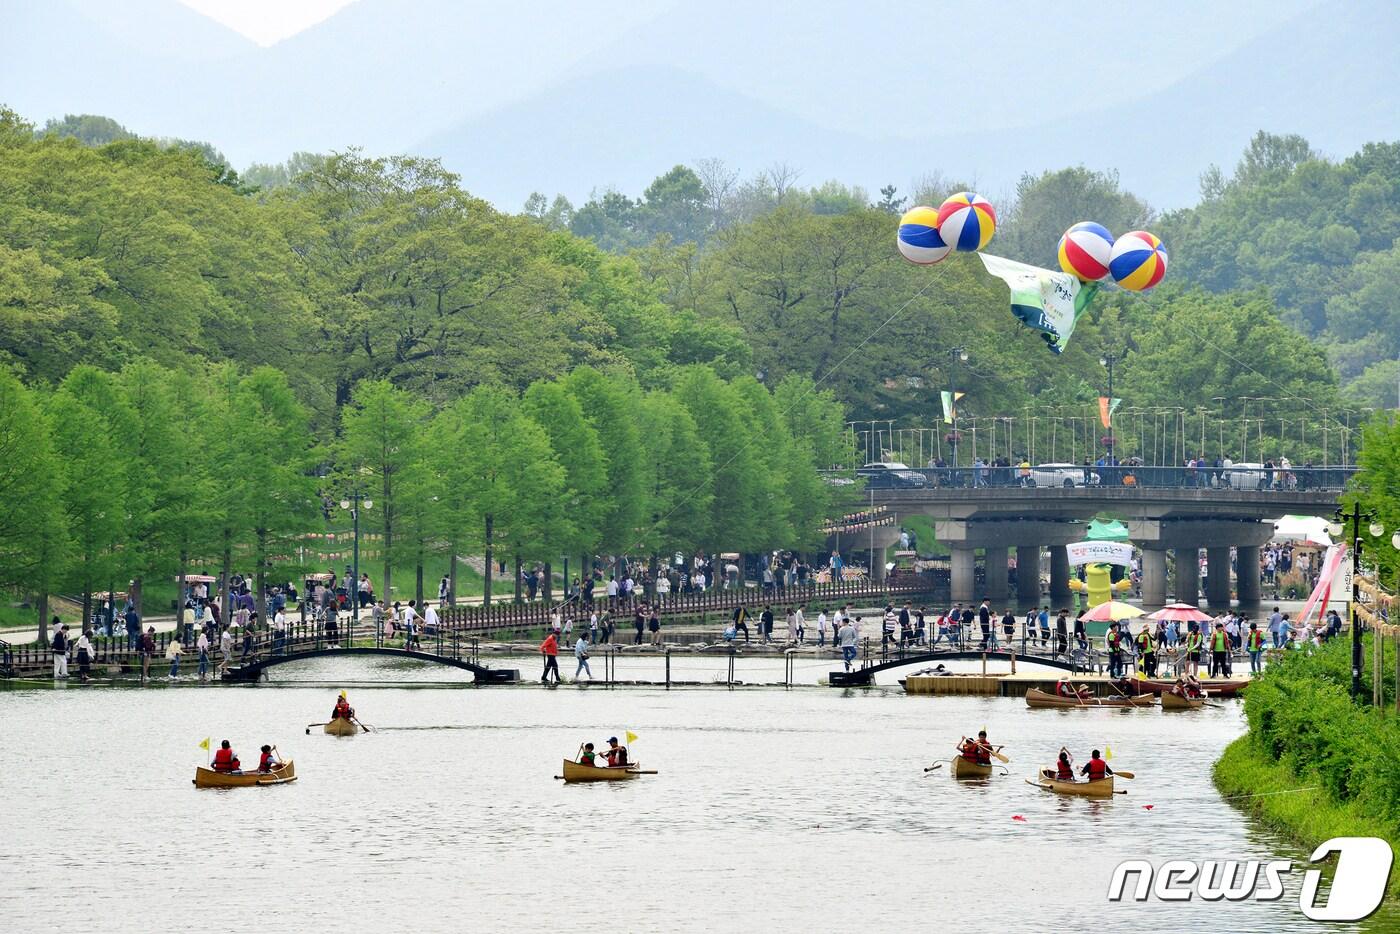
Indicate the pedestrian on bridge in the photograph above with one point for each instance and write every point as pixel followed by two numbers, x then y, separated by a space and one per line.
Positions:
pixel 1114 640
pixel 821 627
pixel 846 638
pixel 581 655
pixel 59 647
pixel 765 624
pixel 1044 620
pixel 984 622
pixel 549 648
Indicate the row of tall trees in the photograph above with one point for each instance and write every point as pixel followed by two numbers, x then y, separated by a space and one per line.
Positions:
pixel 139 474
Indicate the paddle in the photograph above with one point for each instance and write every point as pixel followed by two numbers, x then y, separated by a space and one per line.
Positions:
pixel 361 725
pixel 1124 774
pixel 936 765
pixel 310 725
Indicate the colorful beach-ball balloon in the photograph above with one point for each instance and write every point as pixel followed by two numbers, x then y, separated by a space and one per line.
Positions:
pixel 1138 260
pixel 919 241
pixel 967 221
pixel 1085 249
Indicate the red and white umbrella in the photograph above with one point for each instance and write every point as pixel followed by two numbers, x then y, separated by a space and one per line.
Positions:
pixel 1111 612
pixel 1182 613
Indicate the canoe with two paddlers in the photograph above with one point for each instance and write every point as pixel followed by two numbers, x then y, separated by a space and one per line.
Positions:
pixel 1098 788
pixel 578 772
pixel 966 768
pixel 1038 698
pixel 208 778
pixel 1172 701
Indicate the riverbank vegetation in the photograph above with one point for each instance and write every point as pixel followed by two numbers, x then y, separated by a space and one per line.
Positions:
pixel 1315 763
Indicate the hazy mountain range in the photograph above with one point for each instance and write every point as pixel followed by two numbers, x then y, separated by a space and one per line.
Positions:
pixel 566 97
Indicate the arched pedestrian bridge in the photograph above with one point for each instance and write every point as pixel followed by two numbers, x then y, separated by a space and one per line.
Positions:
pixel 872 665
pixel 253 670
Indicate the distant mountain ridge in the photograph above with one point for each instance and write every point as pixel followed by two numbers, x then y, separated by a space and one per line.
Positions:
pixel 561 96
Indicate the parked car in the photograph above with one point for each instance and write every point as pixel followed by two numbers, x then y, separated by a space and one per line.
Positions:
pixel 891 475
pixel 1244 476
pixel 1065 475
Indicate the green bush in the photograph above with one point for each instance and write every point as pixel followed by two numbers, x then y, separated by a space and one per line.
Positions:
pixel 1301 713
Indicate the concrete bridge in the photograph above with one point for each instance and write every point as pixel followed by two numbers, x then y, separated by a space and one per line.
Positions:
pixel 991 520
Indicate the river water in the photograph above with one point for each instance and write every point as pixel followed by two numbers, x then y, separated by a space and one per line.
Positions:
pixel 787 810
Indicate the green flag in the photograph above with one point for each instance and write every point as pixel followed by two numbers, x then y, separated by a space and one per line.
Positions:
pixel 1050 302
pixel 950 402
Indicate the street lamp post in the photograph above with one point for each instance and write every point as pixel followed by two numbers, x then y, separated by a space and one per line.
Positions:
pixel 955 355
pixel 1376 529
pixel 353 505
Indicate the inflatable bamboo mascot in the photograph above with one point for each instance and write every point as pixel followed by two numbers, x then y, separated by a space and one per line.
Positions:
pixel 1105 545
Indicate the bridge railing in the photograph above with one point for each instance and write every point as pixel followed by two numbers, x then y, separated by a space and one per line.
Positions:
pixel 715 600
pixel 1253 478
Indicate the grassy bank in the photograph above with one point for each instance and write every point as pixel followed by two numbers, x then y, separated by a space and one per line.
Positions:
pixel 1315 764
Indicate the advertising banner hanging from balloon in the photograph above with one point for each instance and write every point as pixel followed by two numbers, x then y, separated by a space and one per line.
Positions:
pixel 1050 302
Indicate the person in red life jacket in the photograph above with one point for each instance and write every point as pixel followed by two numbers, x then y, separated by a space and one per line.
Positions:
pixel 1096 768
pixel 268 761
pixel 617 755
pixel 1065 689
pixel 984 749
pixel 343 710
pixel 549 648
pixel 1064 768
pixel 1192 687
pixel 968 750
pixel 225 760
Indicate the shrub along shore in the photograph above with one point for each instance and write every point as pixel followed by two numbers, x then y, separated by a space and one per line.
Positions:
pixel 1315 764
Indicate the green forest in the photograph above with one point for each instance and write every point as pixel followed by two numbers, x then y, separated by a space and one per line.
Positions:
pixel 197 364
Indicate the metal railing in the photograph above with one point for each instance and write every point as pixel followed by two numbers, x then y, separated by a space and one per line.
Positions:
pixel 1222 479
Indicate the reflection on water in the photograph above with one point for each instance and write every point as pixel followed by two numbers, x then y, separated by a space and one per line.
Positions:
pixel 794 810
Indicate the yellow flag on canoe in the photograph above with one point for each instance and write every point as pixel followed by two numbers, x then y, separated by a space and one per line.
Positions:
pixel 631 737
pixel 205 744
pixel 1108 752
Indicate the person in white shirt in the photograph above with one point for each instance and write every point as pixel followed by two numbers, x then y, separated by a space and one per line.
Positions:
pixel 279 632
pixel 821 627
pixel 698 581
pixel 800 622
pixel 225 649
pixel 430 617
pixel 663 584
pixel 581 655
pixel 202 646
pixel 612 586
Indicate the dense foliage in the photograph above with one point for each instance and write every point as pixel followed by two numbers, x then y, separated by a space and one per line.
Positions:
pixel 150 471
pixel 1376 488
pixel 1300 713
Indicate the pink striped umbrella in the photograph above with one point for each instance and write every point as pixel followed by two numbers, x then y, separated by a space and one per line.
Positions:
pixel 1182 613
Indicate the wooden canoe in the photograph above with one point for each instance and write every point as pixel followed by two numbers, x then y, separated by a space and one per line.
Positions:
pixel 208 778
pixel 1216 688
pixel 1102 788
pixel 1038 698
pixel 578 772
pixel 341 727
pixel 965 768
pixel 1172 701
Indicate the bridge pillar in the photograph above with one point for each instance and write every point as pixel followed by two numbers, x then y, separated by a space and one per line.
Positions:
pixel 1247 574
pixel 1154 577
pixel 964 574
pixel 877 564
pixel 1218 576
pixel 1186 564
pixel 1059 576
pixel 998 582
pixel 1027 575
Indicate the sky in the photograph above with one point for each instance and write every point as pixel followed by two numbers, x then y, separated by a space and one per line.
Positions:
pixel 267 22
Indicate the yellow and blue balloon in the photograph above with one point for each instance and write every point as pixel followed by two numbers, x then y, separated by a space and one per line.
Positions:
pixel 1138 261
pixel 919 241
pixel 1085 250
pixel 967 221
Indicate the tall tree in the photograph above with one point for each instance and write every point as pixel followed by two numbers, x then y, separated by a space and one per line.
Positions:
pixel 31 481
pixel 607 401
pixel 384 448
